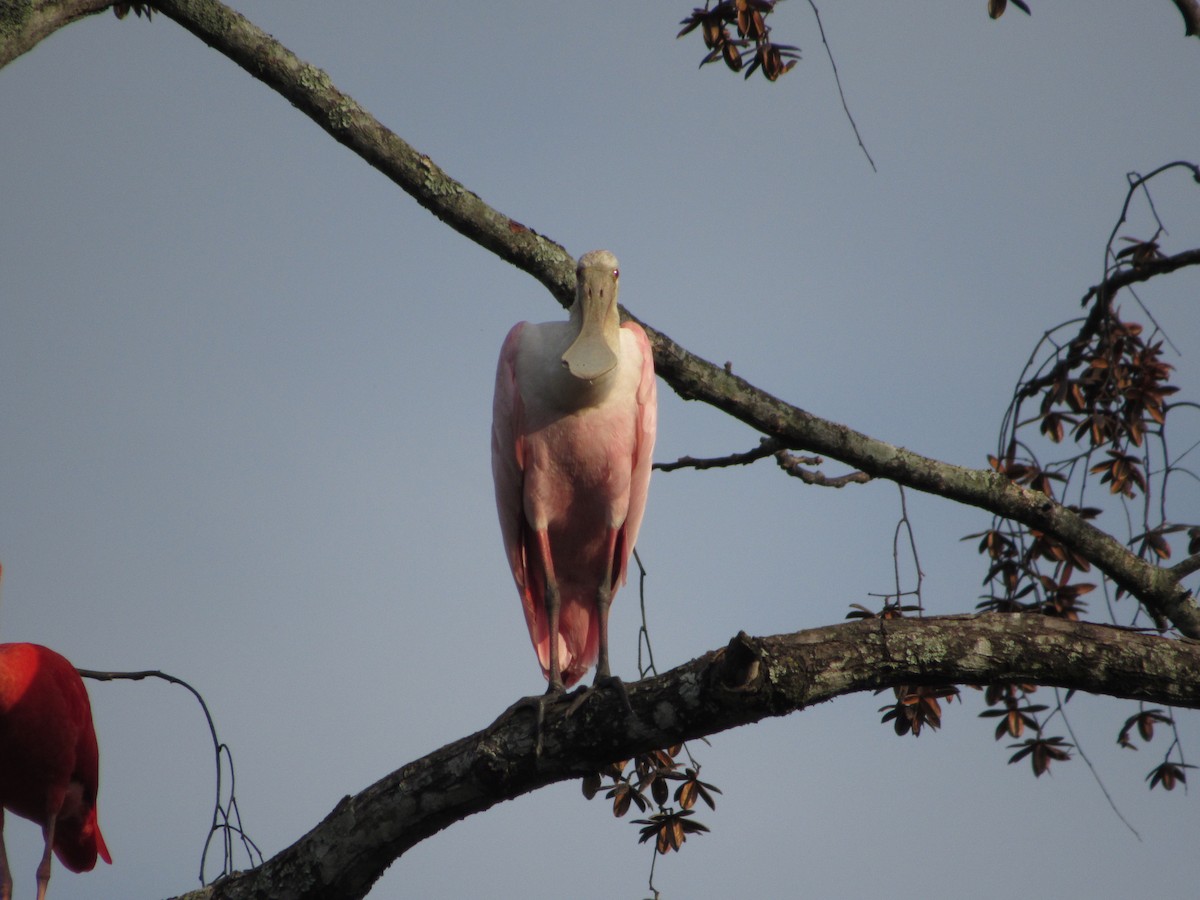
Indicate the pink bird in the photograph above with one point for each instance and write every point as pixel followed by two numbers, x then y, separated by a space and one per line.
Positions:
pixel 49 764
pixel 573 423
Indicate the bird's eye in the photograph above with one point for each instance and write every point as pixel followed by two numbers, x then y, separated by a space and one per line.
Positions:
pixel 616 273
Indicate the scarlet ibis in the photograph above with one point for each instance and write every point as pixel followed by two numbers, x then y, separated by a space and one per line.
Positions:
pixel 573 422
pixel 49 764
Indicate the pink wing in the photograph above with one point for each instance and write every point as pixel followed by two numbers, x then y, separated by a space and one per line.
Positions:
pixel 647 427
pixel 508 475
pixel 508 464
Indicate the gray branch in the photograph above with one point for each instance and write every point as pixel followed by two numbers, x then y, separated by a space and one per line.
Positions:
pixel 749 680
pixel 1190 10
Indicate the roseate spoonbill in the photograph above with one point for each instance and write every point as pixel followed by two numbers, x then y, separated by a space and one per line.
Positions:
pixel 573 422
pixel 49 764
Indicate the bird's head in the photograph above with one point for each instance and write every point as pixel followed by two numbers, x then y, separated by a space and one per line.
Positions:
pixel 595 350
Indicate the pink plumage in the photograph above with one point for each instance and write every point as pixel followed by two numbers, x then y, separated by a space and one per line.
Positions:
pixel 574 418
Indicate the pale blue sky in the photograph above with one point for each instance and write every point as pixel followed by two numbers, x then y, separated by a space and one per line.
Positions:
pixel 245 389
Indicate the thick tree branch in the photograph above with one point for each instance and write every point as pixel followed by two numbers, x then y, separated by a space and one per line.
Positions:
pixel 310 90
pixel 1190 10
pixel 24 25
pixel 749 680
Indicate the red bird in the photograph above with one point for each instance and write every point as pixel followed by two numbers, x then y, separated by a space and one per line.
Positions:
pixel 49 764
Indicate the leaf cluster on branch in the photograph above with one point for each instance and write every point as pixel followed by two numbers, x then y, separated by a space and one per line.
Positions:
pixel 749 19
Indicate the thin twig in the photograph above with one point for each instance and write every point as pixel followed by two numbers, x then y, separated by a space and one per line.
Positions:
pixel 1095 774
pixel 838 81
pixel 1186 567
pixel 765 449
pixel 906 524
pixel 644 631
pixel 794 466
pixel 226 817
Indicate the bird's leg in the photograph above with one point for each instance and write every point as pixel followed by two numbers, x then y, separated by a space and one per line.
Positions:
pixel 43 869
pixel 604 595
pixel 552 600
pixel 603 604
pixel 5 875
pixel 553 603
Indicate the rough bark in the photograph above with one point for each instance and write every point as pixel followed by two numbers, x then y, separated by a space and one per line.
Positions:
pixel 749 680
pixel 26 23
pixel 1190 10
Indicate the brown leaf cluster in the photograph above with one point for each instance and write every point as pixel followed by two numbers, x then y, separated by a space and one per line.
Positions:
pixel 1010 704
pixel 1041 752
pixel 121 10
pixel 1106 389
pixel 748 19
pixel 996 7
pixel 1109 388
pixel 891 609
pixel 653 774
pixel 1015 568
pixel 916 707
pixel 669 829
pixel 1144 722
pixel 1099 389
pixel 1169 772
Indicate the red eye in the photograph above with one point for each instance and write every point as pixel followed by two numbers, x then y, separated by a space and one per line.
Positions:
pixel 616 273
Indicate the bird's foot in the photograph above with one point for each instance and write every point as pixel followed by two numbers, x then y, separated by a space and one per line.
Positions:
pixel 602 681
pixel 537 703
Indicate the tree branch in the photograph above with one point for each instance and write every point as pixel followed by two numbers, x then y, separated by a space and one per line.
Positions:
pixel 1141 272
pixel 749 680
pixel 24 25
pixel 1186 567
pixel 796 467
pixel 310 90
pixel 1190 10
pixel 766 447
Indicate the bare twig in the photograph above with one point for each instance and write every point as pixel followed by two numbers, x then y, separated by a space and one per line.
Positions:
pixel 794 466
pixel 765 448
pixel 838 81
pixel 226 818
pixel 1091 768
